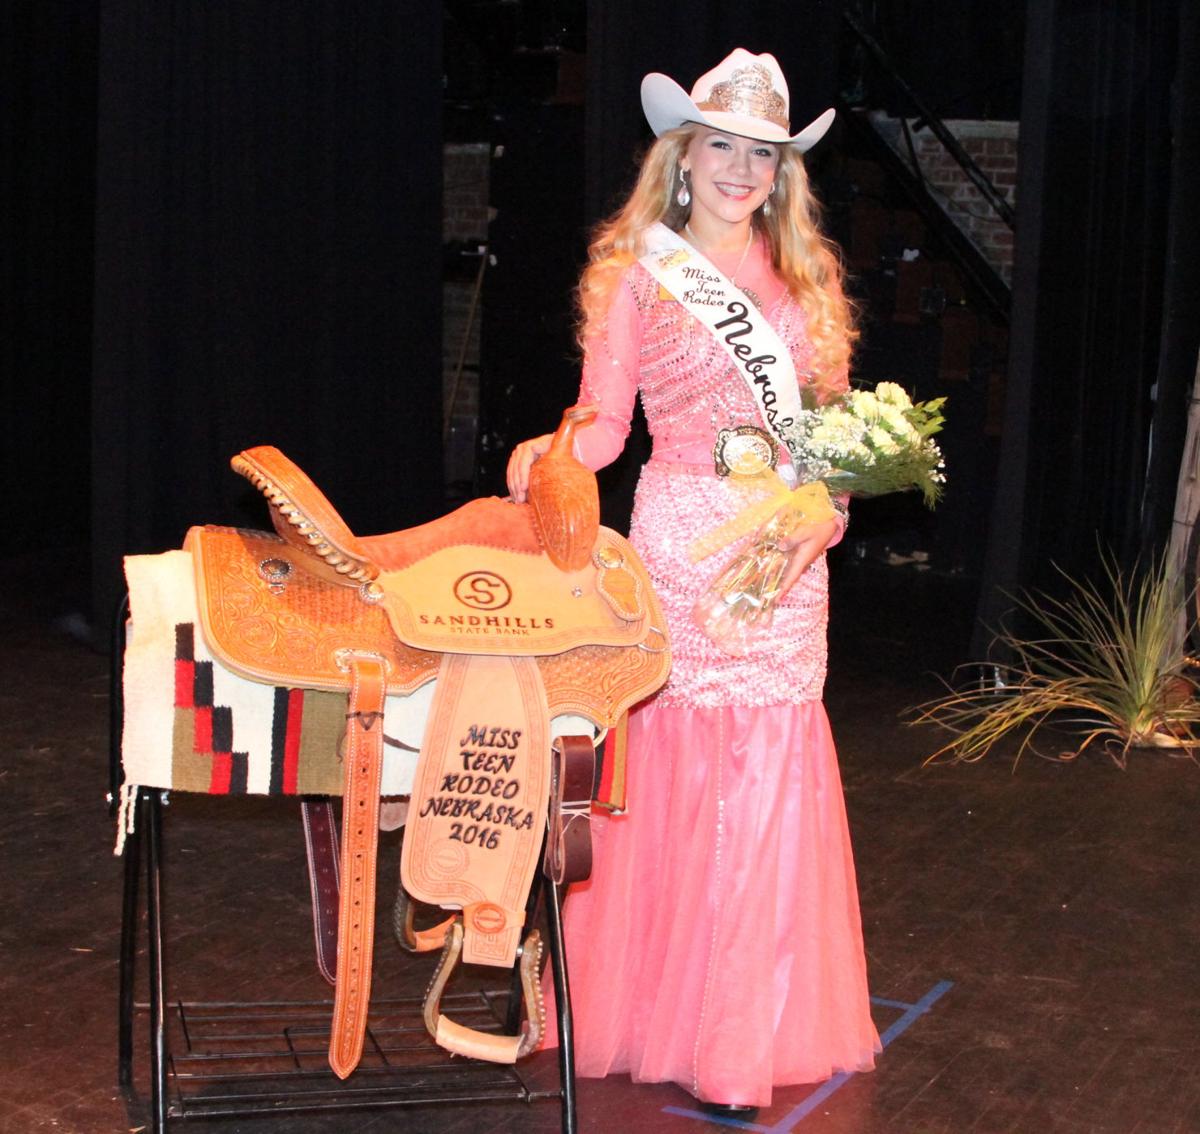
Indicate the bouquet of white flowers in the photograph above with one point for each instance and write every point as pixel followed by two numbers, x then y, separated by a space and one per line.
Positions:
pixel 864 444
pixel 868 443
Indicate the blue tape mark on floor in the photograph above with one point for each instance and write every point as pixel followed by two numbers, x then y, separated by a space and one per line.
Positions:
pixel 912 1012
pixel 712 1119
pixel 909 1014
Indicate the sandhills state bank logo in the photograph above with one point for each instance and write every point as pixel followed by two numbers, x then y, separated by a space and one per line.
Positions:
pixel 482 590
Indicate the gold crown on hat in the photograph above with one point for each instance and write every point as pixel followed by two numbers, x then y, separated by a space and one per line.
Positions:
pixel 749 90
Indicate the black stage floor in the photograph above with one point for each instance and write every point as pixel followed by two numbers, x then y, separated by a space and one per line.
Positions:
pixel 1032 937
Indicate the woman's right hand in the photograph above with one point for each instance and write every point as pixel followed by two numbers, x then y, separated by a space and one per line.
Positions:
pixel 521 461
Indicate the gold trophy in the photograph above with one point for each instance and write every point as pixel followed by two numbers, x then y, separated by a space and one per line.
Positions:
pixel 738 607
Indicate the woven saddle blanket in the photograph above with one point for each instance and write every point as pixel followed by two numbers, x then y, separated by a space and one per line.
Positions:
pixel 190 724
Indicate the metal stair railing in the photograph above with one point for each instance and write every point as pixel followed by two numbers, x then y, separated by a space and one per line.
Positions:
pixel 990 285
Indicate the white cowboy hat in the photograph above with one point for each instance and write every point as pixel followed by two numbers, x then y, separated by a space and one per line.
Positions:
pixel 744 94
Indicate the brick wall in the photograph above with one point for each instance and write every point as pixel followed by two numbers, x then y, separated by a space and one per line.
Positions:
pixel 993 147
pixel 465 173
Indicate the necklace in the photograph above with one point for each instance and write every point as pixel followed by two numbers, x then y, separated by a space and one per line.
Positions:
pixel 733 278
pixel 745 251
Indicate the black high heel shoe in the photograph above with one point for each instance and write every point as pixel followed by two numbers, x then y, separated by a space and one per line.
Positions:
pixel 731 1110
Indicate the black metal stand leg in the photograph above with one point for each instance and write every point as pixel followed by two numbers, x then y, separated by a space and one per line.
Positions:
pixel 128 959
pixel 566 1036
pixel 151 818
pixel 133 848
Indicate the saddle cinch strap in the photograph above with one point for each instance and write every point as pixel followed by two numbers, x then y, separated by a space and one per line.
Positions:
pixel 360 817
pixel 520 613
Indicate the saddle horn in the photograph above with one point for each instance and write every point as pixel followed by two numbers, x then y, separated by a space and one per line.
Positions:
pixel 564 496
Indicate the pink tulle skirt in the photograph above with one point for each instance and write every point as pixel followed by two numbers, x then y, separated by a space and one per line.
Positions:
pixel 718 944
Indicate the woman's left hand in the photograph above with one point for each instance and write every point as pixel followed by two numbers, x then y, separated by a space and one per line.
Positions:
pixel 808 540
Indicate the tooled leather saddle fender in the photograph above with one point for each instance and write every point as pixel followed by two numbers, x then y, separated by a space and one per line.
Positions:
pixel 520 612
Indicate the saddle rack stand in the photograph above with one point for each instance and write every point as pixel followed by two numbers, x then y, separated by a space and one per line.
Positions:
pixel 218 1073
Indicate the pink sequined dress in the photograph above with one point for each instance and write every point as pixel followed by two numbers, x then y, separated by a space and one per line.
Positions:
pixel 718 943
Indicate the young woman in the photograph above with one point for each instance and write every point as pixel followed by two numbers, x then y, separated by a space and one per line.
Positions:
pixel 718 943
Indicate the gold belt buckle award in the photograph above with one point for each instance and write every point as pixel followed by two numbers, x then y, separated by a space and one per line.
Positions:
pixel 745 450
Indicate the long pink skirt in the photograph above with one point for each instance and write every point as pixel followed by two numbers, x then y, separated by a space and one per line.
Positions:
pixel 728 957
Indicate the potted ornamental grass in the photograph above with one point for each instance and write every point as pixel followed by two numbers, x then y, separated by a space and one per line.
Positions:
pixel 1105 666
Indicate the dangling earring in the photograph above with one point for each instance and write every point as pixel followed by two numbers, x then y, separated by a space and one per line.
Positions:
pixel 683 196
pixel 766 205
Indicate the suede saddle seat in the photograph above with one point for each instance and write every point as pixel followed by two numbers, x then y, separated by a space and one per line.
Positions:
pixel 520 613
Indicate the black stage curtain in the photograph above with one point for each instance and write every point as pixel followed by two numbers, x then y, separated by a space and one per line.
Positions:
pixel 47 203
pixel 268 264
pixel 529 361
pixel 1180 338
pixel 1108 175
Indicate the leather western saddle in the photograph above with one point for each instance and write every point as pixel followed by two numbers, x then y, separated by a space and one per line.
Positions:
pixel 521 612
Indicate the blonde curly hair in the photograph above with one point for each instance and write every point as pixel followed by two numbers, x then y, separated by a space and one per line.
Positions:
pixel 807 262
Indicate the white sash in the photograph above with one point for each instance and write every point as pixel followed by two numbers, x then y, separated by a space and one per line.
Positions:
pixel 760 355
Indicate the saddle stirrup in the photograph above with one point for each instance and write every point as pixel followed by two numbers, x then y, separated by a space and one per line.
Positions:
pixel 567 858
pixel 486 1045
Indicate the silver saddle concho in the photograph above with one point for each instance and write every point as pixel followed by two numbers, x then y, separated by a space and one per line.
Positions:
pixel 521 612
